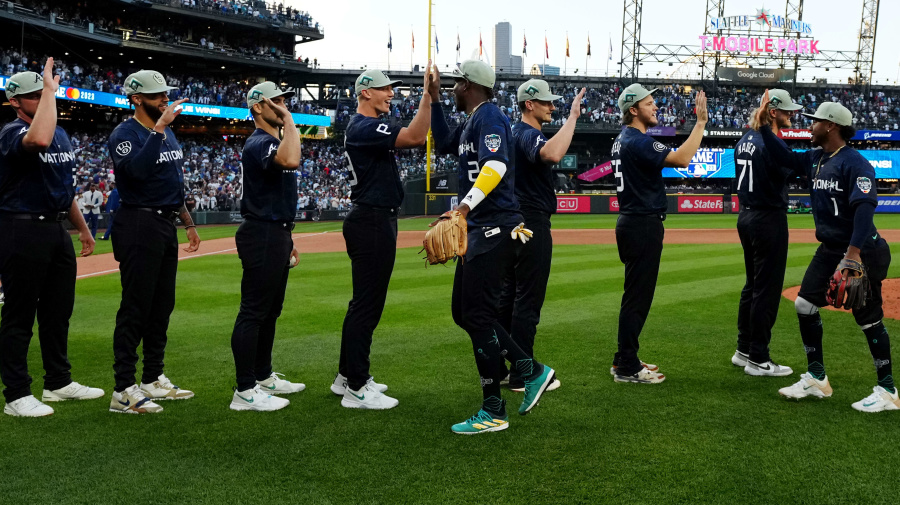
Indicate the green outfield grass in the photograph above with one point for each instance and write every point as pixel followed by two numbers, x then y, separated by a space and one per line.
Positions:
pixel 709 434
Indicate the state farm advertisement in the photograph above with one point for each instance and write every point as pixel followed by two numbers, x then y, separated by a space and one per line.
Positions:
pixel 573 204
pixel 700 204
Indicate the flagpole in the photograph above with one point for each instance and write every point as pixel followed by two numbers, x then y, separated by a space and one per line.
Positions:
pixel 428 138
pixel 544 66
pixel 412 47
pixel 566 60
pixel 587 56
pixel 390 43
pixel 609 56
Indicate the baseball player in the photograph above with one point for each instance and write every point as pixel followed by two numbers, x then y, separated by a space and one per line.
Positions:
pixel 638 162
pixel 763 229
pixel 37 261
pixel 523 293
pixel 370 229
pixel 148 163
pixel 496 232
pixel 843 196
pixel 268 204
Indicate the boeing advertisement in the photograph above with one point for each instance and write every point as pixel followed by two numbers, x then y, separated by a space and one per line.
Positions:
pixel 190 109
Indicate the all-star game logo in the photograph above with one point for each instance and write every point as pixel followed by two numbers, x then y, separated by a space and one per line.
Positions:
pixel 365 80
pixel 492 142
pixel 864 184
pixel 531 91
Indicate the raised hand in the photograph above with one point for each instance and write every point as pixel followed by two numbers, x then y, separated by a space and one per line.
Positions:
pixel 171 112
pixel 575 112
pixel 51 82
pixel 702 111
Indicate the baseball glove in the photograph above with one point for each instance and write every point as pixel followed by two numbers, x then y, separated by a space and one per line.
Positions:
pixel 849 286
pixel 446 239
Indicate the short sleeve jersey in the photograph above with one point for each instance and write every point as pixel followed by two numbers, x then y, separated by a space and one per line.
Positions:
pixel 486 136
pixel 534 179
pixel 638 161
pixel 35 183
pixel 838 182
pixel 269 190
pixel 761 182
pixel 147 179
pixel 369 149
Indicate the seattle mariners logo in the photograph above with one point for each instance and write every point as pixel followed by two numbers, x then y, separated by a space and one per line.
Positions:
pixel 492 142
pixel 531 91
pixel 123 148
pixel 864 184
pixel 135 84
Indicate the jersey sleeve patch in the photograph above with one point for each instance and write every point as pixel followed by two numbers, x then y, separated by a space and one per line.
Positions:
pixel 864 184
pixel 660 148
pixel 492 142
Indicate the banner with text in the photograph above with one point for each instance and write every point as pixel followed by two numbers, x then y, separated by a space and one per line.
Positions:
pixel 719 164
pixel 755 75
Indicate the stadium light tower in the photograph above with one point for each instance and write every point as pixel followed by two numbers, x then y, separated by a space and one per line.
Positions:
pixel 709 63
pixel 631 40
pixel 866 53
pixel 794 10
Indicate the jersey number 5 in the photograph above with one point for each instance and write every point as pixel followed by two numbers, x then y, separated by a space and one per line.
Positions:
pixel 747 165
pixel 352 180
pixel 620 179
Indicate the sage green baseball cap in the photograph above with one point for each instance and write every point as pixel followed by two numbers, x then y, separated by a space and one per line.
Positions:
pixel 834 112
pixel 535 89
pixel 146 81
pixel 23 83
pixel 477 72
pixel 781 100
pixel 374 79
pixel 633 94
pixel 266 89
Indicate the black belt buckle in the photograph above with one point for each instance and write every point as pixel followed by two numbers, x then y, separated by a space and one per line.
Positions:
pixel 289 225
pixel 168 215
pixel 49 217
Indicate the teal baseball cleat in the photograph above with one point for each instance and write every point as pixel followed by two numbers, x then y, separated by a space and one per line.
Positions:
pixel 482 422
pixel 535 387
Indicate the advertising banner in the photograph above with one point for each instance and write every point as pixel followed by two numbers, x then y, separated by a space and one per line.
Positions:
pixel 189 109
pixel 755 75
pixel 700 204
pixel 614 204
pixel 893 136
pixel 659 131
pixel 573 204
pixel 719 163
pixel 596 172
pixel 889 204
pixel 795 134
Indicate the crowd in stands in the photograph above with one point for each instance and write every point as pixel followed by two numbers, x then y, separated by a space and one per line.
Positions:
pixel 250 9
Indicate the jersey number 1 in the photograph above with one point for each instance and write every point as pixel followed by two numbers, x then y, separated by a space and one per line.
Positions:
pixel 747 166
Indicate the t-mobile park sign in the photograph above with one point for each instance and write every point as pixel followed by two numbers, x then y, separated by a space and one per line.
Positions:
pixel 759 45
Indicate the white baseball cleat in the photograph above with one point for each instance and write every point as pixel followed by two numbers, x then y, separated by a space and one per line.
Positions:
pixel 258 400
pixel 740 359
pixel 880 399
pixel 74 391
pixel 644 376
pixel 132 401
pixel 339 386
pixel 163 389
pixel 27 406
pixel 275 385
pixel 648 366
pixel 767 369
pixel 807 386
pixel 367 398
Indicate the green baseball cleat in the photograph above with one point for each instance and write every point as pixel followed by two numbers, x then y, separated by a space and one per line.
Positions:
pixel 535 387
pixel 482 422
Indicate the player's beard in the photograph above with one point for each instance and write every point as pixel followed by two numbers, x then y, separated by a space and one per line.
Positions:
pixel 152 112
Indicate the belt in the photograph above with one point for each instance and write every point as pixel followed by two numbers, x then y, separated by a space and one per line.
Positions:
pixel 288 225
pixel 390 210
pixel 50 217
pixel 770 209
pixel 168 215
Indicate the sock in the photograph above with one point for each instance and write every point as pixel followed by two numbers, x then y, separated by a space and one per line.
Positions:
pixel 489 362
pixel 811 334
pixel 523 365
pixel 493 405
pixel 880 347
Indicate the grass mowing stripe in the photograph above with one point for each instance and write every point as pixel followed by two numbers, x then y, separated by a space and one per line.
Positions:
pixel 688 440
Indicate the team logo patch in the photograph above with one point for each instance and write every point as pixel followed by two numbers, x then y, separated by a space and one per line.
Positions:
pixel 135 84
pixel 123 148
pixel 492 142
pixel 12 86
pixel 629 97
pixel 659 147
pixel 864 184
pixel 531 91
pixel 365 80
pixel 158 78
pixel 256 94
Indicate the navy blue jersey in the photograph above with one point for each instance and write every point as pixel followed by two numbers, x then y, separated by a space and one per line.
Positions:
pixel 486 136
pixel 149 168
pixel 35 183
pixel 369 148
pixel 269 190
pixel 761 182
pixel 838 182
pixel 534 179
pixel 638 161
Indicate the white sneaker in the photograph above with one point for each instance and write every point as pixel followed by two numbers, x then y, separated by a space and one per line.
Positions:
pixel 132 401
pixel 807 386
pixel 740 359
pixel 339 386
pixel 644 376
pixel 648 366
pixel 27 406
pixel 74 391
pixel 367 398
pixel 275 385
pixel 258 400
pixel 767 369
pixel 879 400
pixel 163 389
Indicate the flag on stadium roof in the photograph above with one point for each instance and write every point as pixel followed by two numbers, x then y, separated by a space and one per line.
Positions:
pixel 390 42
pixel 413 40
pixel 589 45
pixel 436 48
pixel 480 46
pixel 546 47
pixel 457 41
pixel 567 44
pixel 524 45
